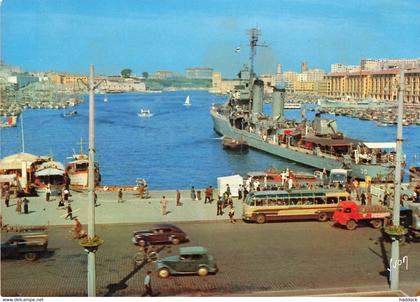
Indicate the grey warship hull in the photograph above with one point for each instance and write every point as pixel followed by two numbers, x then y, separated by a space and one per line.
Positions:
pixel 307 158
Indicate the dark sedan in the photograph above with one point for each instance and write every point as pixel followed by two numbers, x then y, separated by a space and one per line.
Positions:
pixel 160 234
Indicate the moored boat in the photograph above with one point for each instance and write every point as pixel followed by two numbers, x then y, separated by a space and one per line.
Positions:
pixel 78 171
pixel 235 145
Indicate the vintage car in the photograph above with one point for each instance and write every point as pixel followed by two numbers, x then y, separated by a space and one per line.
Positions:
pixel 30 245
pixel 160 234
pixel 191 260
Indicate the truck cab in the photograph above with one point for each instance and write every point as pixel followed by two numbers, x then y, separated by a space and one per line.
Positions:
pixel 350 215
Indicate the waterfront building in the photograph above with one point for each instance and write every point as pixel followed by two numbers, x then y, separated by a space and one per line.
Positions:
pixel 21 80
pixel 344 68
pixel 379 85
pixel 123 85
pixel 290 77
pixel 387 64
pixel 306 81
pixel 221 86
pixel 162 75
pixel 199 73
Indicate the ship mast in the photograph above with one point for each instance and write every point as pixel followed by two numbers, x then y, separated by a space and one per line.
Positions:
pixel 254 34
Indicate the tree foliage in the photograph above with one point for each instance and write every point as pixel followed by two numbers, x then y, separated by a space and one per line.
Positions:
pixel 145 74
pixel 126 72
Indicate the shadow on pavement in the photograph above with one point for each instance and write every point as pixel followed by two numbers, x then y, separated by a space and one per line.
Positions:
pixel 385 273
pixel 122 284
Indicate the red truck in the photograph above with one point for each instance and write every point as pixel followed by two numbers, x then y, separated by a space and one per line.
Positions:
pixel 349 214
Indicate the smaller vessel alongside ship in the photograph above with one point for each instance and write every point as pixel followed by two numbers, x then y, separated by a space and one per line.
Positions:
pixel 145 113
pixel 235 145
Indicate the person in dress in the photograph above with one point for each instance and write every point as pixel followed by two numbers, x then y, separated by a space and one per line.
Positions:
pixel 19 206
pixel 193 193
pixel 25 206
pixel 164 205
pixel 48 192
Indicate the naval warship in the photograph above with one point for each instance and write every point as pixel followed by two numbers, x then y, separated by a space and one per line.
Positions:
pixel 315 143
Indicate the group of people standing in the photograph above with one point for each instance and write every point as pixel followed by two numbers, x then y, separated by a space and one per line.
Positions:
pixel 19 202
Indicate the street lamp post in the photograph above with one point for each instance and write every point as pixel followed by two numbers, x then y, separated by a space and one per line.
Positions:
pixel 91 278
pixel 395 252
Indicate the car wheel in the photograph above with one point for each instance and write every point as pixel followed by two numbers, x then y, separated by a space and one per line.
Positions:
pixel 351 225
pixel 376 224
pixel 175 241
pixel 30 256
pixel 163 273
pixel 203 271
pixel 260 219
pixel 322 217
pixel 141 242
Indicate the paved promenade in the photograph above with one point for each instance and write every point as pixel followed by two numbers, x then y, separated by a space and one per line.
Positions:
pixel 108 210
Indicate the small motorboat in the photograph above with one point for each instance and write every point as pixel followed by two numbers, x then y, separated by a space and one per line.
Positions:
pixel 70 113
pixel 145 113
pixel 105 100
pixel 235 145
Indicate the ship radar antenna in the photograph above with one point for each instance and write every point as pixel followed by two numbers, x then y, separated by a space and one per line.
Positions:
pixel 254 34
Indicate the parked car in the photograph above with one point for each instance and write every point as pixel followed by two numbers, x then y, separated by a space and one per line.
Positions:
pixel 190 260
pixel 159 234
pixel 30 245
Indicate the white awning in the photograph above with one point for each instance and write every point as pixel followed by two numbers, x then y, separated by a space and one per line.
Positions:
pixel 49 171
pixel 9 178
pixel 385 145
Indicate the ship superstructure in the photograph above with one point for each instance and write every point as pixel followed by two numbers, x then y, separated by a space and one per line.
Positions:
pixel 315 143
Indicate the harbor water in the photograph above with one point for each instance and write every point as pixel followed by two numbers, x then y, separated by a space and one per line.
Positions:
pixel 176 148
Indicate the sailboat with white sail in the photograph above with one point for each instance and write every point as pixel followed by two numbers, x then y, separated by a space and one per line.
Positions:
pixel 187 101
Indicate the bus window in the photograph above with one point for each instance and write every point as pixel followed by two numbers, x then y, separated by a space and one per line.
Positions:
pixel 343 198
pixel 259 202
pixel 282 201
pixel 295 199
pixel 320 200
pixel 308 201
pixel 332 200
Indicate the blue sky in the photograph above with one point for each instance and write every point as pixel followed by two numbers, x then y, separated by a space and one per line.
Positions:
pixel 149 35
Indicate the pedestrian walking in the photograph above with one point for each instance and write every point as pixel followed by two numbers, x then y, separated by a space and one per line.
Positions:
pixel 95 198
pixel 7 198
pixel 193 194
pixel 61 202
pixel 120 195
pixel 148 285
pixel 178 198
pixel 77 229
pixel 228 190
pixel 19 206
pixel 66 194
pixel 231 214
pixel 245 192
pixel 25 205
pixel 240 192
pixel 69 212
pixel 164 205
pixel 219 205
pixel 363 199
pixel 207 193
pixel 47 192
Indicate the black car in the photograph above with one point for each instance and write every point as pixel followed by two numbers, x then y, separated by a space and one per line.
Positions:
pixel 160 234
